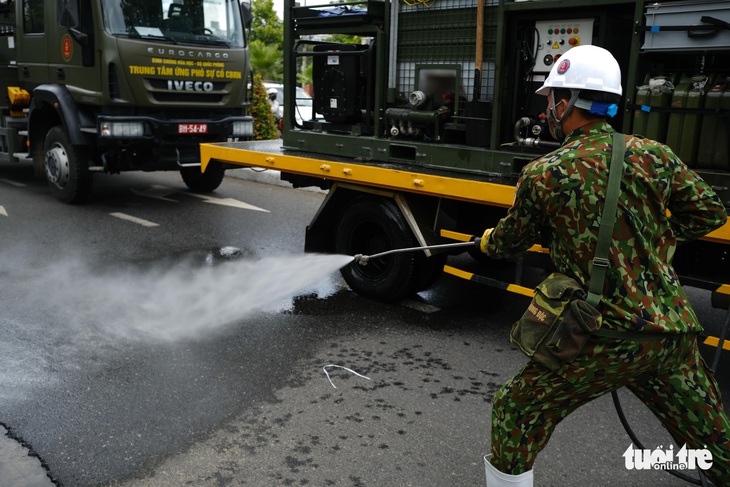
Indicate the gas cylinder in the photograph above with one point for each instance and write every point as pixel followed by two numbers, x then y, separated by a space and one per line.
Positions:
pixel 641 115
pixel 683 130
pixel 713 147
pixel 675 120
pixel 660 96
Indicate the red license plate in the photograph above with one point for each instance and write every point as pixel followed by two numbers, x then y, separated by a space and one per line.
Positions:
pixel 192 128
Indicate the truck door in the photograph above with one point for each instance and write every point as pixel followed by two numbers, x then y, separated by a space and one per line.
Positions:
pixel 33 42
pixel 71 51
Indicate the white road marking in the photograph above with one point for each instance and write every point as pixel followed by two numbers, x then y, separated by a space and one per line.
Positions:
pixel 13 183
pixel 157 192
pixel 2 211
pixel 134 219
pixel 232 202
pixel 160 192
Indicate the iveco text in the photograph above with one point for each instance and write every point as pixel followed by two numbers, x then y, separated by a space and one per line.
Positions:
pixel 175 85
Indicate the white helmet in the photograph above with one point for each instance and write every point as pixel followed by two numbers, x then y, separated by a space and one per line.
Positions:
pixel 585 68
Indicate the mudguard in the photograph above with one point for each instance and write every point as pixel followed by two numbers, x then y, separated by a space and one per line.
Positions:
pixel 72 119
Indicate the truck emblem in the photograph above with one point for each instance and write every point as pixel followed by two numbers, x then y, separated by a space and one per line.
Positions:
pixel 67 47
pixel 178 85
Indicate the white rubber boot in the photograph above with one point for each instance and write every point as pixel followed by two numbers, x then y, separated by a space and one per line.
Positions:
pixel 495 478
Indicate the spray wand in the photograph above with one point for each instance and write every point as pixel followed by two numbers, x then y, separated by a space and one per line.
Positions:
pixel 363 259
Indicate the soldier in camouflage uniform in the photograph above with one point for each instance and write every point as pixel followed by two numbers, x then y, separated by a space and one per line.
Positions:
pixel 564 193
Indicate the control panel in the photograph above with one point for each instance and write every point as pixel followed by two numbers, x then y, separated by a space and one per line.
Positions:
pixel 555 37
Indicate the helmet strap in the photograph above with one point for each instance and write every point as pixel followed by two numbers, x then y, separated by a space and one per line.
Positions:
pixel 555 124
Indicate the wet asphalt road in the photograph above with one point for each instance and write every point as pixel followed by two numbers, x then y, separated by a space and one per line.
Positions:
pixel 249 403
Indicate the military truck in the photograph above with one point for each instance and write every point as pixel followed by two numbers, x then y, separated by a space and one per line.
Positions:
pixel 118 85
pixel 420 132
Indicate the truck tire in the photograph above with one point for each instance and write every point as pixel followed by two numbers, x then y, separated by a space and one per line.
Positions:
pixel 67 169
pixel 370 226
pixel 203 182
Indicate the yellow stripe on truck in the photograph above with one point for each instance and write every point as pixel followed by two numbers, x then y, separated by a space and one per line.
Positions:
pixel 461 237
pixel 469 276
pixel 371 175
pixel 724 289
pixel 721 235
pixel 458 272
pixel 713 341
pixel 525 291
pixel 427 184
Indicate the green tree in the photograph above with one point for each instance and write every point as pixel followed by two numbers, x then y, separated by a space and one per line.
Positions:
pixel 304 77
pixel 266 26
pixel 266 60
pixel 264 121
pixel 345 39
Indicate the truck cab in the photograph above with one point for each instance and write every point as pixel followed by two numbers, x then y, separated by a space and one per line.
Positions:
pixel 119 85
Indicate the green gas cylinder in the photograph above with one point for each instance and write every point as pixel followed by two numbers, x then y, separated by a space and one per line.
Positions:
pixel 660 96
pixel 683 130
pixel 641 115
pixel 676 119
pixel 712 152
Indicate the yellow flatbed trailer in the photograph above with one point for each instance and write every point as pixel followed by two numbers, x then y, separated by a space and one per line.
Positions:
pixel 270 154
pixel 407 185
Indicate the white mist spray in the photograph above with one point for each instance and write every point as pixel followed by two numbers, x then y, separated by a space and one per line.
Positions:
pixel 185 300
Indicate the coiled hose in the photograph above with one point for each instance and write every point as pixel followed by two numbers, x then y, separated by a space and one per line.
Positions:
pixel 622 417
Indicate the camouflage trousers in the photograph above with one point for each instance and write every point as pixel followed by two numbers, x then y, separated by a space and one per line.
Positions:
pixel 668 375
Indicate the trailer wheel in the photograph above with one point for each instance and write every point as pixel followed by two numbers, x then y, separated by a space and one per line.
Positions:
pixel 370 226
pixel 203 182
pixel 66 167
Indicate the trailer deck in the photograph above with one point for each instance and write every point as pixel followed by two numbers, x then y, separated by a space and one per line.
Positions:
pixel 474 188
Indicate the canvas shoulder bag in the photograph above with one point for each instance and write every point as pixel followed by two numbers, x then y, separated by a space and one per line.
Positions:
pixel 561 317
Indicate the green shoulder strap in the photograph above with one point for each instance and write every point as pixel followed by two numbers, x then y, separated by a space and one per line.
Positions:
pixel 608 219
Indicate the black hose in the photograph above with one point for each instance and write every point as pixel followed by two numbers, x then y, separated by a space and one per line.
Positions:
pixel 723 334
pixel 614 394
pixel 619 410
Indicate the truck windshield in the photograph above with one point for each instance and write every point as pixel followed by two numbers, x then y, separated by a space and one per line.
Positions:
pixel 211 22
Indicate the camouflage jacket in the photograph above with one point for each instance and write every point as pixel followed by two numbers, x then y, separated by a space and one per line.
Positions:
pixel 564 192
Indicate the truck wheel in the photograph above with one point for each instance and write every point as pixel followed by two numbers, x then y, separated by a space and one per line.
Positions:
pixel 203 182
pixel 67 169
pixel 370 226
